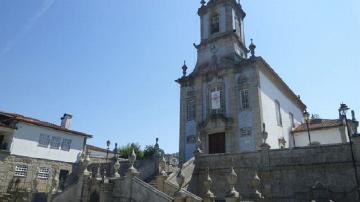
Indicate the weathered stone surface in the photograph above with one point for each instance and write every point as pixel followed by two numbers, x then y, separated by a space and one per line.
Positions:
pixel 286 175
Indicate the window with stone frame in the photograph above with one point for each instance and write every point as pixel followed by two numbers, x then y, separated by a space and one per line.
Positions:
pixel 43 173
pixel 66 144
pixel 190 105
pixel 214 24
pixel 44 140
pixel 278 113
pixel 245 131
pixel 55 142
pixel 216 99
pixel 244 99
pixel 21 170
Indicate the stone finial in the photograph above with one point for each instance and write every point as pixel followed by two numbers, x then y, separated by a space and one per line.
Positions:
pixel 98 173
pixel 264 136
pixel 198 146
pixel 184 68
pixel 202 2
pixel 353 117
pixel 163 166
pixel 207 184
pixel 232 179
pixel 252 48
pixel 86 162
pixel 116 168
pixel 132 158
pixel 255 183
pixel 180 179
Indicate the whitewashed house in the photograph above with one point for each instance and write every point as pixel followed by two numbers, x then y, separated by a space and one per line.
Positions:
pixel 37 153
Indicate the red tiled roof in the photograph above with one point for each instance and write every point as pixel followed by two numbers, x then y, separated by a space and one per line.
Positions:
pixel 95 148
pixel 318 124
pixel 22 118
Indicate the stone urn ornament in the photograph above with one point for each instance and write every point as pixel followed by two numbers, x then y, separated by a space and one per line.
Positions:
pixel 232 179
pixel 86 163
pixel 132 159
pixel 117 168
pixel 163 166
pixel 207 183
pixel 264 136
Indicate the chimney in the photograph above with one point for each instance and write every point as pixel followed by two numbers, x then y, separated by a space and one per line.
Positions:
pixel 66 121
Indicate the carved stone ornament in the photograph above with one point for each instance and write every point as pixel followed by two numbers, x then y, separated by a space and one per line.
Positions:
pixel 116 168
pixel 207 184
pixel 232 179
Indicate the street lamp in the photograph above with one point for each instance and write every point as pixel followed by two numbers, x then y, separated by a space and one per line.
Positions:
pixel 307 119
pixel 342 111
pixel 107 149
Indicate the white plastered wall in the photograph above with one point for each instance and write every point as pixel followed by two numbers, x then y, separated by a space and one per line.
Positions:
pixel 269 93
pixel 26 143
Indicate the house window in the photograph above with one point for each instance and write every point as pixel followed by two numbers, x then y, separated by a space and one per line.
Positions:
pixel 244 99
pixel 278 113
pixel 245 131
pixel 291 116
pixel 190 106
pixel 215 27
pixel 55 142
pixel 21 170
pixel 43 173
pixel 44 140
pixel 65 145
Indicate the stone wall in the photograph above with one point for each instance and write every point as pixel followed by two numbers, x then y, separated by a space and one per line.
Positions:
pixel 7 169
pixel 286 175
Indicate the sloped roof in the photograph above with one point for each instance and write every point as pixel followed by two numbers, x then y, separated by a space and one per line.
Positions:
pixel 318 124
pixel 18 117
pixel 95 148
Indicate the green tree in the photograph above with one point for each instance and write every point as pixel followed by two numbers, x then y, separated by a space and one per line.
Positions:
pixel 125 151
pixel 150 150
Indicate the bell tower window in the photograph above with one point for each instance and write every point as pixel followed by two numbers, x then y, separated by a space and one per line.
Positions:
pixel 215 27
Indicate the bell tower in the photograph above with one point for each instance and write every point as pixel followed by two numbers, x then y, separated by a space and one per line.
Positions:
pixel 222 31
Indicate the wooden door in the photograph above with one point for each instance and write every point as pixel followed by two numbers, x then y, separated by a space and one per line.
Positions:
pixel 217 143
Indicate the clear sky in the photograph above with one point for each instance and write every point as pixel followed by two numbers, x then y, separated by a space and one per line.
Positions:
pixel 112 63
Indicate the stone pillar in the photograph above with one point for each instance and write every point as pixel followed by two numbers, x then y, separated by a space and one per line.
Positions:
pixel 233 195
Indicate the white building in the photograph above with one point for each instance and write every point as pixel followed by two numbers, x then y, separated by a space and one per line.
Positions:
pixel 33 150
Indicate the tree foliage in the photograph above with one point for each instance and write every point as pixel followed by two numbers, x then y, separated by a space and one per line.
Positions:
pixel 125 151
pixel 150 151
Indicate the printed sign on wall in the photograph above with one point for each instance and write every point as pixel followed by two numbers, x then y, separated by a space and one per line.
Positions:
pixel 215 100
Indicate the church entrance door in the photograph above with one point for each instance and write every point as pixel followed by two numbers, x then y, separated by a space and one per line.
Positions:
pixel 217 143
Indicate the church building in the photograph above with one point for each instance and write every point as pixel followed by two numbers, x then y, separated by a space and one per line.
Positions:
pixel 232 96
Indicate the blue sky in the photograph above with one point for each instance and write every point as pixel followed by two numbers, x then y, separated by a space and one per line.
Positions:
pixel 112 63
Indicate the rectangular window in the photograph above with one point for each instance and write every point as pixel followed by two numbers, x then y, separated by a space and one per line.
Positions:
pixel 190 106
pixel 244 99
pixel 245 131
pixel 292 122
pixel 55 142
pixel 65 145
pixel 21 170
pixel 278 113
pixel 44 140
pixel 43 173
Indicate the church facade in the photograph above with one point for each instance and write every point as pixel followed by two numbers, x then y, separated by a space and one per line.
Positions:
pixel 231 97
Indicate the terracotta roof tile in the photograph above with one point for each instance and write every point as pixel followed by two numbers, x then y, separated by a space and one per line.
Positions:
pixel 19 117
pixel 95 148
pixel 318 124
